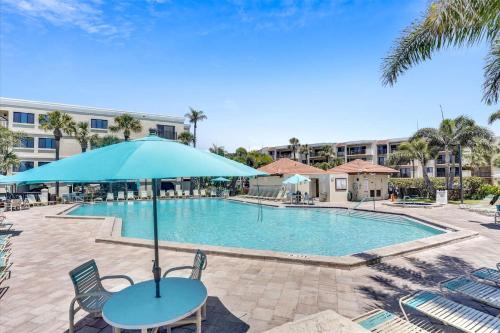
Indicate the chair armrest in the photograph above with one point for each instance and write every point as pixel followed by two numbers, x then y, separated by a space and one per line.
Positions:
pixel 109 277
pixel 177 269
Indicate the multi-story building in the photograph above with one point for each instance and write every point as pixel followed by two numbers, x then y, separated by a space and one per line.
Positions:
pixel 38 146
pixel 377 152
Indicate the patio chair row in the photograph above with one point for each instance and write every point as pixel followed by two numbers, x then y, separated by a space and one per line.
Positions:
pixel 436 306
pixel 267 193
pixel 5 252
pixel 169 194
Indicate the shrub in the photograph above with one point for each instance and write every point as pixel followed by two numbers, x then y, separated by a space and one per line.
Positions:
pixel 415 186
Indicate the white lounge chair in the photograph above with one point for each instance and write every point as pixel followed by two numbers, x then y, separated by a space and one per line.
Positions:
pixel 144 195
pixel 110 197
pixel 187 194
pixel 451 313
pixel 44 199
pixel 488 274
pixel 179 193
pixel 120 196
pixel 4 225
pixel 90 294
pixel 381 321
pixel 213 193
pixel 32 200
pixel 480 292
pixel 163 195
pixel 203 193
pixel 196 193
pixel 171 194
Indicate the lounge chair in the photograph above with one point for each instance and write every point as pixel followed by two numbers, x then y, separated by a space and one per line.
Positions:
pixel 213 193
pixel 144 195
pixel 171 194
pixel 120 196
pixel 90 294
pixel 187 194
pixel 451 313
pixel 44 199
pixel 203 193
pixel 480 292
pixel 178 193
pixel 199 265
pixel 488 274
pixel 381 321
pixel 196 193
pixel 32 200
pixel 307 200
pixel 110 197
pixel 163 194
pixel 4 225
pixel 130 195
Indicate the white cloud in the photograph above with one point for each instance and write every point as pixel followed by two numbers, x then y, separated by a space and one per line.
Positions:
pixel 85 15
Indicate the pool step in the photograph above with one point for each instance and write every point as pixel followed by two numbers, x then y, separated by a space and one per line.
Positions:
pixel 380 217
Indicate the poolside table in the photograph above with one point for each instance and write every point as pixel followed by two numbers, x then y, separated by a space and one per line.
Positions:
pixel 136 307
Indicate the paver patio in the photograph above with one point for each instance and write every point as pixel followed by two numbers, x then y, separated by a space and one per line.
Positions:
pixel 246 295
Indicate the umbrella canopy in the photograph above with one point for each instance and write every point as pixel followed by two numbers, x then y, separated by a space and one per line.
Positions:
pixel 220 179
pixel 296 179
pixel 149 157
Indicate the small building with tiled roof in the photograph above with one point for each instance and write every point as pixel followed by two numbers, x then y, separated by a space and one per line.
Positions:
pixel 358 180
pixel 286 166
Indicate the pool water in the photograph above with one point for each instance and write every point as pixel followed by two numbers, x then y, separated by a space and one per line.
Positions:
pixel 227 223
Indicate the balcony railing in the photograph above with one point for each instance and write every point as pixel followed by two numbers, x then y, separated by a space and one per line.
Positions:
pixel 4 123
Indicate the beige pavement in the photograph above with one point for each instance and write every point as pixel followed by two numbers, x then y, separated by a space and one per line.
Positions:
pixel 246 295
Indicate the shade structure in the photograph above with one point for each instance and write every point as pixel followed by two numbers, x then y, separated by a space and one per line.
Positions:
pixel 148 157
pixel 296 179
pixel 220 179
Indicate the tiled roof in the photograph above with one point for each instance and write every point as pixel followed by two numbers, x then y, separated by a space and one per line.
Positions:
pixel 287 166
pixel 360 166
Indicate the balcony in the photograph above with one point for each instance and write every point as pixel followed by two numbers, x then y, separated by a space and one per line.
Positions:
pixel 4 122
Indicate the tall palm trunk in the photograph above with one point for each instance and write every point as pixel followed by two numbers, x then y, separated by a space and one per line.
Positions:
pixel 427 182
pixel 194 134
pixel 412 168
pixel 447 168
pixel 57 138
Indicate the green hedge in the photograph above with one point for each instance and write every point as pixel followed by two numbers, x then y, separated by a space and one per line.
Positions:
pixel 474 187
pixel 487 189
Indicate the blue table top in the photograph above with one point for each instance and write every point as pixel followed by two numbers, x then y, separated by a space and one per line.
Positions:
pixel 136 307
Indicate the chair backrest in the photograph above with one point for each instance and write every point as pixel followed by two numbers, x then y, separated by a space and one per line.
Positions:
pixel 186 193
pixel 130 194
pixel 179 193
pixel 162 193
pixel 196 193
pixel 171 193
pixel 121 194
pixel 199 265
pixel 31 198
pixel 86 279
pixel 144 194
pixel 110 196
pixel 203 192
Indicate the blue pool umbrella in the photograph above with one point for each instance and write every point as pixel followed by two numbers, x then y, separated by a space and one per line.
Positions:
pixel 220 179
pixel 148 157
pixel 296 179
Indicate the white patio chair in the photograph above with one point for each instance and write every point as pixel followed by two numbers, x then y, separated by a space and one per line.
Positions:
pixel 110 197
pixel 381 321
pixel 179 193
pixel 32 200
pixel 196 193
pixel 144 195
pixel 163 195
pixel 213 193
pixel 187 194
pixel 120 196
pixel 90 294
pixel 171 194
pixel 487 274
pixel 480 292
pixel 130 195
pixel 203 192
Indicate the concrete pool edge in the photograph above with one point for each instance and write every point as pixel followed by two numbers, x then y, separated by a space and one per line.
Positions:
pixel 109 231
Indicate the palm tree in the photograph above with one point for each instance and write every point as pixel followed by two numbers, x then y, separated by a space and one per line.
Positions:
pixel 185 138
pixel 294 145
pixel 106 140
pixel 448 23
pixel 451 133
pixel 194 117
pixel 127 124
pixel 494 117
pixel 58 122
pixel 8 140
pixel 414 150
pixel 306 151
pixel 83 136
pixel 327 153
pixel 481 154
pixel 219 150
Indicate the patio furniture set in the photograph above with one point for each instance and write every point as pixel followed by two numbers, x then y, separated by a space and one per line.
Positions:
pixel 169 194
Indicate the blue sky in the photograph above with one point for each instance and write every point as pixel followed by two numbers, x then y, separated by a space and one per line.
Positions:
pixel 263 71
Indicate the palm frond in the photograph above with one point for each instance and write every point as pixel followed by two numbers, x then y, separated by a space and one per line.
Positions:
pixel 494 117
pixel 491 85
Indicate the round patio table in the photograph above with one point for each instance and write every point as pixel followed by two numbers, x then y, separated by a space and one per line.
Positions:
pixel 136 307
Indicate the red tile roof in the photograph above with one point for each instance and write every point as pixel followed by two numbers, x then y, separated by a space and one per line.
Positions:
pixel 287 166
pixel 360 166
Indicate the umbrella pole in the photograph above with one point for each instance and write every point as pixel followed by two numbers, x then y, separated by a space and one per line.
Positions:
pixel 156 266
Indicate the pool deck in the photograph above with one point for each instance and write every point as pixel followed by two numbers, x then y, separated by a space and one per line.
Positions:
pixel 245 295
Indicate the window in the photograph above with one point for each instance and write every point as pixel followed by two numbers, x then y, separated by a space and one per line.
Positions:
pixel 381 160
pixel 24 118
pixel 379 193
pixel 24 165
pixel 440 159
pixel 372 193
pixel 340 184
pixel 357 150
pixel 405 172
pixel 440 172
pixel 394 147
pixel 47 143
pixel 26 142
pixel 166 131
pixel 99 123
pixel 340 151
pixel 381 149
pixel 429 169
pixel 43 163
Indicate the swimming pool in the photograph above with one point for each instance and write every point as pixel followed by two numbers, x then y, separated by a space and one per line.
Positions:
pixel 218 222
